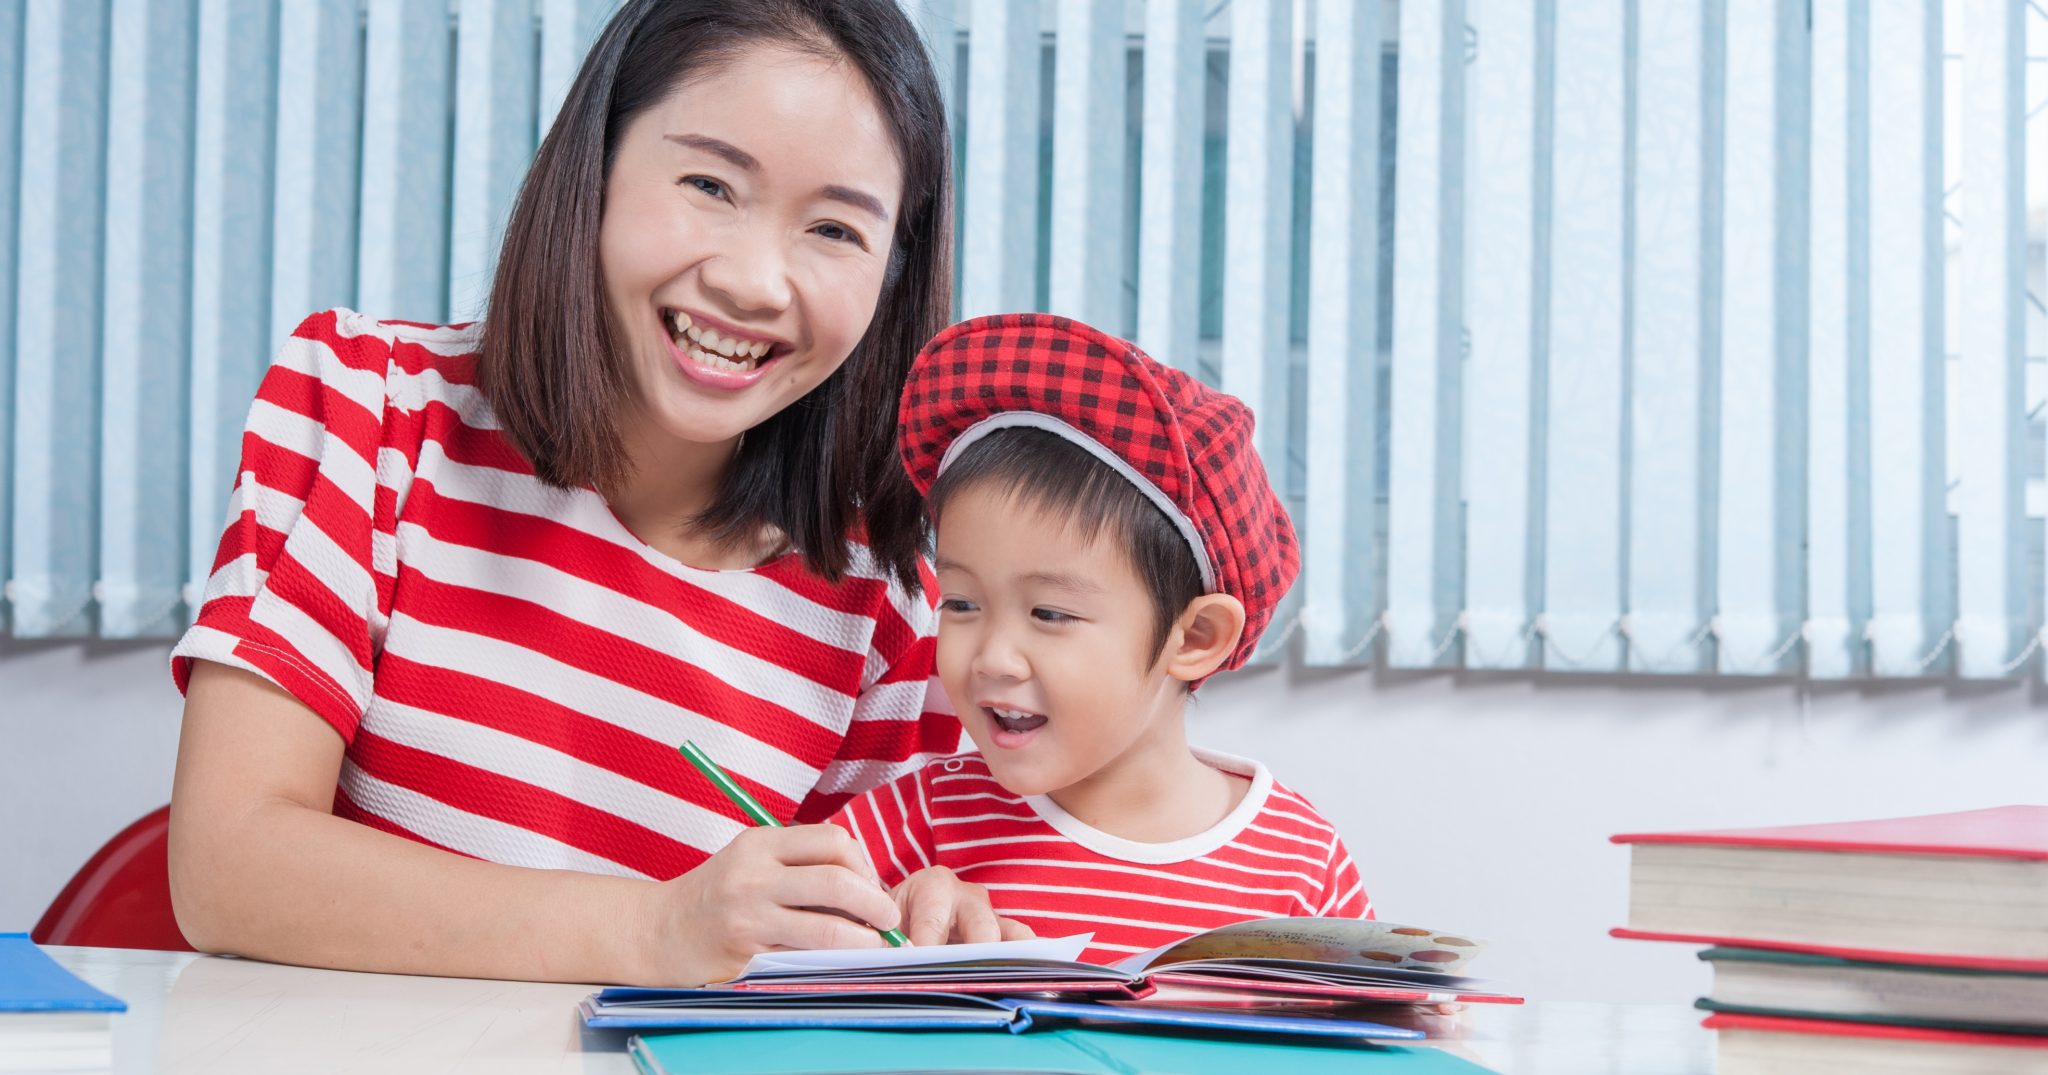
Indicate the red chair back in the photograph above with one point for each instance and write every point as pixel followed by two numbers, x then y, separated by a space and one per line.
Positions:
pixel 121 897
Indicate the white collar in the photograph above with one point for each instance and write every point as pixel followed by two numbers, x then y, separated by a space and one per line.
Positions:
pixel 1181 850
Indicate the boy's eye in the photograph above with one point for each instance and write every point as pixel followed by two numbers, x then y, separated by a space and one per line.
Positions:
pixel 706 184
pixel 1049 615
pixel 956 604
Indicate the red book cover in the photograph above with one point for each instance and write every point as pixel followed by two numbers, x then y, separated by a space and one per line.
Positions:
pixel 1733 1021
pixel 1874 955
pixel 2014 832
pixel 2005 832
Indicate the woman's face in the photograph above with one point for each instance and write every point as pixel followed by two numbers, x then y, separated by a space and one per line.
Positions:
pixel 747 223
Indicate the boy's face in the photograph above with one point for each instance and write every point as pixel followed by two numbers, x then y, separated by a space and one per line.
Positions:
pixel 1045 645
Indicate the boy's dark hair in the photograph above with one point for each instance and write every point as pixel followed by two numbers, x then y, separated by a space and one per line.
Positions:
pixel 1044 470
pixel 826 464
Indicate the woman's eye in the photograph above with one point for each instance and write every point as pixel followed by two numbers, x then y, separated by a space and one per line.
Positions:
pixel 1047 615
pixel 840 233
pixel 706 184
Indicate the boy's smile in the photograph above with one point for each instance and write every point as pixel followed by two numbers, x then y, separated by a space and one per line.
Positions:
pixel 1044 646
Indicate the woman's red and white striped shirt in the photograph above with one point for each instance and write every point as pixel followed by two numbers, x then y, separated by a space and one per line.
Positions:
pixel 1273 856
pixel 510 669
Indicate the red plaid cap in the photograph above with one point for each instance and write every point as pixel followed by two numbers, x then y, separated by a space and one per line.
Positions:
pixel 1185 445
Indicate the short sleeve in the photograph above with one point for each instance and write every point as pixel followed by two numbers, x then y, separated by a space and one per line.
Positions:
pixel 901 718
pixel 297 594
pixel 1344 891
pixel 893 824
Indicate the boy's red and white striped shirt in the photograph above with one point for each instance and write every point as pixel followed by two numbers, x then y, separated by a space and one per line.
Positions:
pixel 510 668
pixel 1272 856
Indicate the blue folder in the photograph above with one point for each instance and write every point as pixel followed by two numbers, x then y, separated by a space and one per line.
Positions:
pixel 30 981
pixel 1074 1051
pixel 626 1008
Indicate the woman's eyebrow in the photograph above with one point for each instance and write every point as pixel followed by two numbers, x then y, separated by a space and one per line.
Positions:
pixel 859 199
pixel 743 160
pixel 740 158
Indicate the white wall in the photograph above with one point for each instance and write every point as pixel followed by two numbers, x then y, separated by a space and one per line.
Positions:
pixel 1476 803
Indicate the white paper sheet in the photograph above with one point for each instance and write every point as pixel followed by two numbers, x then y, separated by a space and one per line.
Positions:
pixel 1065 949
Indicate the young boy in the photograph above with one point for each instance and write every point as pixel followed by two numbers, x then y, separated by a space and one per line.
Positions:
pixel 1107 539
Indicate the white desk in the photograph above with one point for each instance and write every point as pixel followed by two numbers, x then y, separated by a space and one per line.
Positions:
pixel 200 1014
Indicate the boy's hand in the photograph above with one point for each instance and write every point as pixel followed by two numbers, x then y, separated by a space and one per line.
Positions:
pixel 939 908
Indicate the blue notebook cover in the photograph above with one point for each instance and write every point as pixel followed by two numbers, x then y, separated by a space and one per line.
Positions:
pixel 726 1009
pixel 1075 1051
pixel 30 981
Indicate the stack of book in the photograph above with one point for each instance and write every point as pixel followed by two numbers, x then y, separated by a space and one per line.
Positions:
pixel 1904 944
pixel 1339 981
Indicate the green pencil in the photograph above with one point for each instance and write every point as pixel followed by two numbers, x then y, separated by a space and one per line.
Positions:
pixel 754 810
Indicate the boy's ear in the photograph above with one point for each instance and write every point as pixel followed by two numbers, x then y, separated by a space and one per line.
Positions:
pixel 1204 636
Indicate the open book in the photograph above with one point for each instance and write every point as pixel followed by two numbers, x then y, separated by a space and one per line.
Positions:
pixel 1274 971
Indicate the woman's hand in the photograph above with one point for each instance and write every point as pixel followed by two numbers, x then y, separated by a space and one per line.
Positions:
pixel 808 886
pixel 940 908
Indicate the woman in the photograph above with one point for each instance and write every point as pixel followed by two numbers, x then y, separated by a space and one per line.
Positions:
pixel 478 582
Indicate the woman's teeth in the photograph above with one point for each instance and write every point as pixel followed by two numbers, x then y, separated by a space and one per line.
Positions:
pixel 707 348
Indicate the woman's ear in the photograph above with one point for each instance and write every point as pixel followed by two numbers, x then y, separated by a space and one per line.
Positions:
pixel 1204 636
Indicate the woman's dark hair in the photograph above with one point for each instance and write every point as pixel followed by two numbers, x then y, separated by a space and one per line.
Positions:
pixel 1043 470
pixel 825 465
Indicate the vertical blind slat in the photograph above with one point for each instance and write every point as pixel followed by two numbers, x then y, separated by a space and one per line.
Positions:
pixel 567 30
pixel 1088 136
pixel 13 19
pixel 147 311
pixel 1507 174
pixel 1258 189
pixel 403 261
pixel 319 101
pixel 938 26
pixel 1990 556
pixel 1339 583
pixel 1760 515
pixel 494 122
pixel 1669 364
pixel 1909 529
pixel 57 316
pixel 1170 178
pixel 999 217
pixel 234 120
pixel 1834 353
pixel 1422 471
pixel 1582 405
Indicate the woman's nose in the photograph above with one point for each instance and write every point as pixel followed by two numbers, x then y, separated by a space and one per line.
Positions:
pixel 751 274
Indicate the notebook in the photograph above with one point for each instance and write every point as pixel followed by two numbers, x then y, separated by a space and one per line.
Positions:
pixel 1321 977
pixel 50 1020
pixel 1764 1045
pixel 1287 959
pixel 1080 1052
pixel 1960 889
pixel 1757 981
pixel 724 1009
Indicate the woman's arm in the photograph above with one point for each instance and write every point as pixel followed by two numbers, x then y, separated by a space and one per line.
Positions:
pixel 260 867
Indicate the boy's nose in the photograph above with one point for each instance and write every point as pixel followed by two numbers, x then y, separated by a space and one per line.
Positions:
pixel 996 658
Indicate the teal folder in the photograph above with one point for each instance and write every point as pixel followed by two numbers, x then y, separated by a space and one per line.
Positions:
pixel 1068 1052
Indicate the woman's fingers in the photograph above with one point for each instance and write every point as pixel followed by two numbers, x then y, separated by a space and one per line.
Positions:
pixel 807 845
pixel 838 890
pixel 801 928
